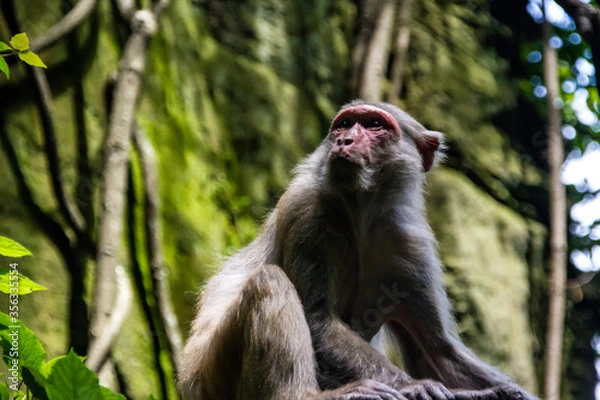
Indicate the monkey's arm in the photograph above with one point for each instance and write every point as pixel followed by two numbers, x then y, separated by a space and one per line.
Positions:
pixel 343 356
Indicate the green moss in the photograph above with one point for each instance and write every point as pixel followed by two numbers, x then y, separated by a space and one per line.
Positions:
pixel 485 248
pixel 234 95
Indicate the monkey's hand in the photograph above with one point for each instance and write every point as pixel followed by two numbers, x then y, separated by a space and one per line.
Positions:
pixel 504 392
pixel 365 389
pixel 426 390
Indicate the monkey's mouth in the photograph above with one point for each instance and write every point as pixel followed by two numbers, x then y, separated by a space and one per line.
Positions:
pixel 347 157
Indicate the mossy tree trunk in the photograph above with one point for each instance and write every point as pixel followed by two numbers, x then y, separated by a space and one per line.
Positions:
pixel 235 93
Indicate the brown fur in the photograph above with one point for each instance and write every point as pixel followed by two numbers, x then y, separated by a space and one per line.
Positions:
pixel 346 253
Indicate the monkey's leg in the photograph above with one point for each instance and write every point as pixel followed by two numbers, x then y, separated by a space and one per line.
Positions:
pixel 277 356
pixel 259 346
pixel 278 360
pixel 250 340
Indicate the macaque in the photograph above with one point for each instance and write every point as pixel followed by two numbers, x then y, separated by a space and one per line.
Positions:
pixel 347 253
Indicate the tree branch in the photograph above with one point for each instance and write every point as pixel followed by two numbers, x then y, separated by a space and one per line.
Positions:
pixel 558 225
pixel 44 102
pixel 377 53
pixel 159 6
pixel 52 228
pixel 100 347
pixel 74 260
pixel 116 158
pixel 587 20
pixel 68 23
pixel 160 282
pixel 368 11
pixel 400 49
pixel 78 319
pixel 158 333
pixel 581 280
pixel 45 222
pixel 126 8
pixel 585 15
pixel 67 207
pixel 85 179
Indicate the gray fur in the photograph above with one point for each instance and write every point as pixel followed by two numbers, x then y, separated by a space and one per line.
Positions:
pixel 346 252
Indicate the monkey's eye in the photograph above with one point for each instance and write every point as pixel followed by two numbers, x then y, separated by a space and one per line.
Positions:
pixel 375 123
pixel 345 123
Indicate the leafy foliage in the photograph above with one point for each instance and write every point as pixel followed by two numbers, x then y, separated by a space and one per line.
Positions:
pixel 10 248
pixel 20 282
pixel 18 45
pixel 64 377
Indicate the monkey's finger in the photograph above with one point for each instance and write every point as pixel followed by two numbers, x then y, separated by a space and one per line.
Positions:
pixel 427 390
pixel 391 396
pixel 379 389
pixel 439 392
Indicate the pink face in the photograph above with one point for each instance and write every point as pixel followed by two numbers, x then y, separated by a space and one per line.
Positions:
pixel 356 130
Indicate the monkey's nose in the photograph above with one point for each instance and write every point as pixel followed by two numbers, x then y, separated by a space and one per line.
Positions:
pixel 344 142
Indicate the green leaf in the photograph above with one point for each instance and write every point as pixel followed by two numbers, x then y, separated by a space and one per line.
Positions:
pixel 18 282
pixel 30 353
pixel 108 394
pixel 4 67
pixel 68 378
pixel 4 46
pixel 20 41
pixel 32 59
pixel 10 248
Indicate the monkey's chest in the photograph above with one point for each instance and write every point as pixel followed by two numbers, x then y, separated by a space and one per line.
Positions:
pixel 372 281
pixel 357 292
pixel 344 277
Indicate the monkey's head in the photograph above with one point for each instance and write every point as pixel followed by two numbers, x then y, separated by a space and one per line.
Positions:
pixel 370 139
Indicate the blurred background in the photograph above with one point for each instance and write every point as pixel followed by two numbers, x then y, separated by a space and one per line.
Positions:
pixel 234 94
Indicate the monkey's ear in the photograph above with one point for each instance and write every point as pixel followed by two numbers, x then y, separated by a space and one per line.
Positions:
pixel 428 145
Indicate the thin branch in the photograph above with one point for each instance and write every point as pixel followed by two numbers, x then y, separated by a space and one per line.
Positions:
pixel 586 16
pixel 74 260
pixel 52 228
pixel 154 245
pixel 126 8
pixel 45 222
pixel 159 6
pixel 587 20
pixel 377 53
pixel 116 159
pixel 581 280
pixel 368 11
pixel 100 347
pixel 66 205
pixel 85 180
pixel 558 226
pixel 78 320
pixel 68 23
pixel 157 332
pixel 401 49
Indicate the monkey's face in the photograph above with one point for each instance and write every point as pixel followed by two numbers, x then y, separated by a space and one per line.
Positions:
pixel 357 133
pixel 362 139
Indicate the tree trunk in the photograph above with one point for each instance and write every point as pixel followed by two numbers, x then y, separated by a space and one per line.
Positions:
pixel 558 232
pixel 400 50
pixel 377 54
